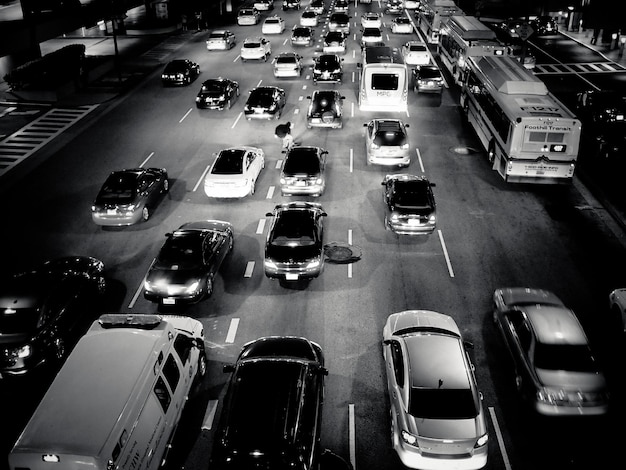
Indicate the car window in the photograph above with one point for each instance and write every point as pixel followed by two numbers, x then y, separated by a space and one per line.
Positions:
pixel 520 329
pixel 305 161
pixel 411 194
pixel 171 372
pixel 162 394
pixel 182 346
pixel 398 362
pixel 182 251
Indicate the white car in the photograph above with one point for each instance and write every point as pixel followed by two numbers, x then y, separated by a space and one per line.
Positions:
pixel 273 25
pixel 309 18
pixel 371 19
pixel 401 25
pixel 248 16
pixel 264 5
pixel 234 172
pixel 288 64
pixel 371 36
pixel 220 39
pixel 255 48
pixel 415 53
pixel 387 142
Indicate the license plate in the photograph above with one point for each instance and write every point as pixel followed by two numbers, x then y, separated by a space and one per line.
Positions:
pixel 111 212
pixel 300 183
pixel 414 221
pixel 168 301
pixel 291 277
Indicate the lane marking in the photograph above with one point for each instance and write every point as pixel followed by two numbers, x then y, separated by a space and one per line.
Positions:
pixel 445 253
pixel 505 455
pixel 419 159
pixel 237 120
pixel 209 415
pixel 232 330
pixel 139 289
pixel 351 160
pixel 261 226
pixel 352 434
pixel 279 164
pixel 186 114
pixel 249 269
pixel 146 160
pixel 201 178
pixel 270 192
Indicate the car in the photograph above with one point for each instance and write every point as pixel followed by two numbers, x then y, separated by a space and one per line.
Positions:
pixel 220 39
pixel 510 26
pixel 248 16
pixel 265 102
pixel 371 19
pixel 43 311
pixel 291 5
pixel 309 18
pixel 288 64
pixel 128 196
pixel 217 93
pixel 302 36
pixel 427 79
pixel 341 6
pixel 294 247
pixel 185 268
pixel 303 171
pixel 234 172
pixel 556 371
pixel 272 407
pixel 334 43
pixel 327 68
pixel 264 5
pixel 394 7
pixel 411 4
pixel 180 72
pixel 544 25
pixel 415 53
pixel 387 142
pixel 371 36
pixel 325 109
pixel 273 25
pixel 339 21
pixel 401 25
pixel 317 6
pixel 437 414
pixel 617 306
pixel 410 207
pixel 255 48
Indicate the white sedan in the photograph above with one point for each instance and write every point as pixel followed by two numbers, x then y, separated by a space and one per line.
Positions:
pixel 415 53
pixel 273 25
pixel 401 25
pixel 371 19
pixel 234 172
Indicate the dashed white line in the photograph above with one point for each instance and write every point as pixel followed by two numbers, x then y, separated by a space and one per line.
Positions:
pixel 270 192
pixel 249 269
pixel 209 415
pixel 352 435
pixel 138 291
pixel 419 159
pixel 445 253
pixel 186 114
pixel 279 164
pixel 146 160
pixel 496 426
pixel 260 227
pixel 201 178
pixel 237 120
pixel 259 84
pixel 351 160
pixel 232 330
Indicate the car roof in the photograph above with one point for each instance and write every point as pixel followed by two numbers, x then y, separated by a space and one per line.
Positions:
pixel 555 325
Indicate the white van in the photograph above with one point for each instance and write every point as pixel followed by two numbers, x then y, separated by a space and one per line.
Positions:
pixel 117 399
pixel 384 80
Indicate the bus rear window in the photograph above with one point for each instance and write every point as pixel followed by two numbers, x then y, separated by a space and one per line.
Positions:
pixel 546 137
pixel 385 81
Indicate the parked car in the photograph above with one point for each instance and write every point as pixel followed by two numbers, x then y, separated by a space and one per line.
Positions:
pixel 288 64
pixel 291 5
pixel 410 207
pixel 255 48
pixel 341 6
pixel 128 196
pixel 272 410
pixel 544 25
pixel 401 25
pixel 217 93
pixel 220 39
pixel 248 16
pixel 427 79
pixel 415 53
pixel 556 371
pixel 617 306
pixel 437 414
pixel 325 109
pixel 294 247
pixel 265 102
pixel 317 6
pixel 339 21
pixel 309 18
pixel 42 311
pixel 180 72
pixel 264 5
pixel 387 142
pixel 334 43
pixel 371 36
pixel 302 36
pixel 327 68
pixel 303 171
pixel 234 172
pixel 371 19
pixel 273 25
pixel 184 270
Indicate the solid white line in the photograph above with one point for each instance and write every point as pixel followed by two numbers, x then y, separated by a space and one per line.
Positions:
pixel 270 192
pixel 407 112
pixel 138 291
pixel 186 114
pixel 236 58
pixel 209 415
pixel 249 269
pixel 352 434
pixel 505 456
pixel 237 120
pixel 419 159
pixel 352 109
pixel 232 330
pixel 350 237
pixel 351 160
pixel 353 77
pixel 445 253
pixel 353 56
pixel 260 227
pixel 146 160
pixel 201 178
pixel 350 271
pixel 279 164
pixel 259 84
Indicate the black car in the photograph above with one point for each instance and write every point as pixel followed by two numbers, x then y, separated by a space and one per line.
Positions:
pixel 294 248
pixel 317 6
pixel 544 25
pixel 334 43
pixel 217 93
pixel 291 5
pixel 41 311
pixel 325 109
pixel 410 207
pixel 302 36
pixel 327 68
pixel 272 407
pixel 303 171
pixel 265 102
pixel 394 7
pixel 603 115
pixel 427 79
pixel 130 195
pixel 185 268
pixel 180 72
pixel 339 21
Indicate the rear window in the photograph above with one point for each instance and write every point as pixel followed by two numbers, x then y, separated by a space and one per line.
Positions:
pixel 302 162
pixel 296 225
pixel 385 81
pixel 251 45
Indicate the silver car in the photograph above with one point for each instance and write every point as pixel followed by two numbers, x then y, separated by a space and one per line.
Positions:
pixel 387 142
pixel 437 416
pixel 220 40
pixel 288 64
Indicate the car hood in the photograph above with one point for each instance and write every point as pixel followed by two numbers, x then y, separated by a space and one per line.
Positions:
pixel 583 381
pixel 457 429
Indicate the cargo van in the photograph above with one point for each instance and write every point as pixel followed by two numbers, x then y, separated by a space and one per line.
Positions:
pixel 116 401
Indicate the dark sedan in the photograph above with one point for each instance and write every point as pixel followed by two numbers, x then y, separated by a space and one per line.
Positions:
pixel 217 93
pixel 303 172
pixel 265 102
pixel 410 207
pixel 128 196
pixel 302 36
pixel 185 268
pixel 325 109
pixel 41 311
pixel 327 68
pixel 180 72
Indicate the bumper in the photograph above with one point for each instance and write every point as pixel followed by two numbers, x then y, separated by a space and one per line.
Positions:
pixel 286 73
pixel 227 192
pixel 411 458
pixel 217 47
pixel 401 160
pixel 336 123
pixel 429 88
pixel 261 115
pixel 173 300
pixel 115 220
pixel 292 273
pixel 292 190
pixel 587 410
pixel 334 49
pixel 327 78
pixel 404 228
pixel 204 105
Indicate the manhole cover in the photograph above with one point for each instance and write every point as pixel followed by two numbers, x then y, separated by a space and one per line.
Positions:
pixel 341 253
pixel 462 150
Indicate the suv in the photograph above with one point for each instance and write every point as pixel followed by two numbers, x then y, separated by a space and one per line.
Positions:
pixel 248 16
pixel 256 48
pixel 273 406
pixel 387 142
pixel 327 68
pixel 325 109
pixel 294 248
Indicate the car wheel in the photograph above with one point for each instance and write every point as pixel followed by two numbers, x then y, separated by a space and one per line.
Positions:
pixel 209 287
pixel 252 187
pixel 166 185
pixel 145 213
pixel 202 364
pixel 229 104
pixel 386 222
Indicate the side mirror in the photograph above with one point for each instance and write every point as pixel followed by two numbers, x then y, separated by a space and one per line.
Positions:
pixel 323 214
pixel 407 125
pixel 308 97
pixel 343 97
pixel 365 125
pixel 433 185
pixel 269 214
pixel 383 183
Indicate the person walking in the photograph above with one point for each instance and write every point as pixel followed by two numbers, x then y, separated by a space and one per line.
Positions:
pixel 283 131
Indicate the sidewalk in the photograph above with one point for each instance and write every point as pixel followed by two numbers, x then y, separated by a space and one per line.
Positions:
pixel 584 37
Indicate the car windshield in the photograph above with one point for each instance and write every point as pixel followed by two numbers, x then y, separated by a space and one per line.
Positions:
pixel 301 160
pixel 120 187
pixel 568 357
pixel 371 32
pixel 183 250
pixel 294 228
pixel 301 32
pixel 389 133
pixel 411 195
pixel 229 162
pixel 217 36
pixel 442 403
pixel 334 36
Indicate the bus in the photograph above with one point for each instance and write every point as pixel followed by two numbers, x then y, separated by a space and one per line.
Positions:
pixel 529 135
pixel 463 37
pixel 430 16
pixel 384 80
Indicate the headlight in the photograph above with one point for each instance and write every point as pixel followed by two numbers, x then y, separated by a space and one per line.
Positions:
pixel 319 181
pixel 336 71
pixel 313 264
pixel 24 351
pixel 131 207
pixel 282 181
pixel 432 219
pixel 272 107
pixel 147 285
pixel 191 288
pixel 482 440
pixel 394 216
pixel 375 146
pixel 269 264
pixel 316 70
pixel 408 438
pixel 405 146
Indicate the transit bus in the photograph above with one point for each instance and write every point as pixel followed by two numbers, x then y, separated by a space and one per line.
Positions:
pixel 384 80
pixel 430 16
pixel 529 135
pixel 463 37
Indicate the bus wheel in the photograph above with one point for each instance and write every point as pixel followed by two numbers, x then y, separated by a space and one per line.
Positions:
pixel 491 151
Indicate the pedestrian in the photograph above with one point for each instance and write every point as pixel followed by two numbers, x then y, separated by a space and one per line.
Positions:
pixel 283 131
pixel 183 20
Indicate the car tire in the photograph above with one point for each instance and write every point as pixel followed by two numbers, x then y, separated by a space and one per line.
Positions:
pixel 386 222
pixel 145 213
pixel 231 244
pixel 229 104
pixel 101 286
